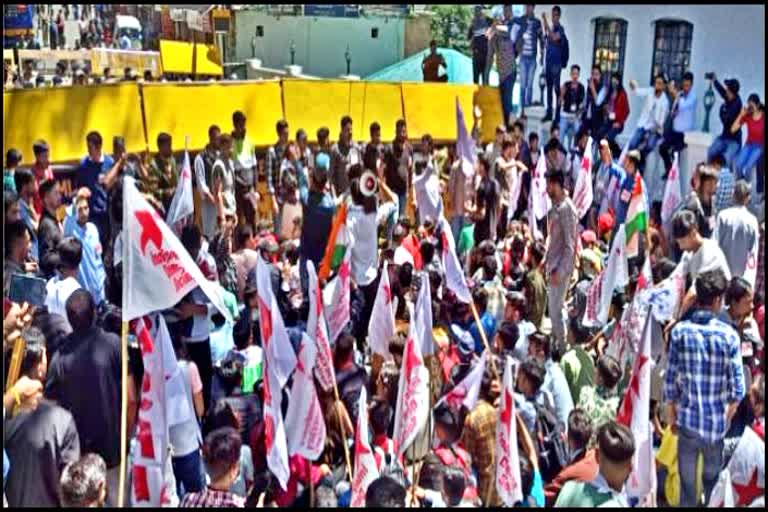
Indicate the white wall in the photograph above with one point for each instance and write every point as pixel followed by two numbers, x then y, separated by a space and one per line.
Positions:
pixel 727 39
pixel 321 42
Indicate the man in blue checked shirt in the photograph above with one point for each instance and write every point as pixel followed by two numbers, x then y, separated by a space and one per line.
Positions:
pixel 703 385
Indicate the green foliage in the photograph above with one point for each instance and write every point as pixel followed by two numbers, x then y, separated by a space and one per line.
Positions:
pixel 450 25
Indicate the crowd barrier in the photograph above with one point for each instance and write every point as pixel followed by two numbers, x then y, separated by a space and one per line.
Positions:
pixel 139 112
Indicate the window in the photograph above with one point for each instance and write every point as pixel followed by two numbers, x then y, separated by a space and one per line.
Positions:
pixel 610 44
pixel 671 49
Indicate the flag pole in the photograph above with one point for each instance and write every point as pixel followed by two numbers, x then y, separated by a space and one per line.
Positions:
pixel 311 487
pixel 123 413
pixel 343 431
pixel 485 339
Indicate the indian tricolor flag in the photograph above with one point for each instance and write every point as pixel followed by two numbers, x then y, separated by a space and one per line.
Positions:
pixel 637 217
pixel 338 244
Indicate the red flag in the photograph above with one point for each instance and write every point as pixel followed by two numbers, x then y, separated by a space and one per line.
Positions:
pixel 365 462
pixel 304 421
pixel 157 270
pixel 412 407
pixel 508 482
pixel 381 328
pixel 582 193
pixel 279 362
pixel 634 412
pixel 317 329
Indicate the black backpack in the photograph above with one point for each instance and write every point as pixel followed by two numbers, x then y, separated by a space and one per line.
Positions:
pixel 550 442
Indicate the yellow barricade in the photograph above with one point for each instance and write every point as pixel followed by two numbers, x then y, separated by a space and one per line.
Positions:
pixel 431 108
pixel 63 116
pixel 375 101
pixel 312 104
pixel 189 109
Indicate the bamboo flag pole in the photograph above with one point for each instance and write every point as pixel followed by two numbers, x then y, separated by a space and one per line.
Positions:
pixel 123 413
pixel 343 430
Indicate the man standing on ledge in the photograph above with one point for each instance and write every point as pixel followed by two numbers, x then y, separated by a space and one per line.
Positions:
pixel 431 65
pixel 561 255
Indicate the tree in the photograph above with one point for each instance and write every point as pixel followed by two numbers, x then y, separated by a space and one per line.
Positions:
pixel 450 25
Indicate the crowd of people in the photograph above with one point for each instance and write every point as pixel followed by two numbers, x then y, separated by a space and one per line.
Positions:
pixel 405 204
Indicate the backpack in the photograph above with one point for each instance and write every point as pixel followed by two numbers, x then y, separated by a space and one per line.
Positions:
pixel 549 439
pixel 390 465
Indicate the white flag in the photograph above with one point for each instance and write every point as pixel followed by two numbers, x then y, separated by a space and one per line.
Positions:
pixel 746 472
pixel 582 193
pixel 465 146
pixel 540 199
pixel 634 413
pixel 336 297
pixel 454 275
pixel 750 270
pixel 304 421
pixel 157 270
pixel 365 461
pixel 274 337
pixel 665 298
pixel 148 482
pixel 182 205
pixel 614 275
pixel 424 317
pixel 672 192
pixel 508 482
pixel 318 329
pixel 279 362
pixel 467 391
pixel 381 328
pixel 412 407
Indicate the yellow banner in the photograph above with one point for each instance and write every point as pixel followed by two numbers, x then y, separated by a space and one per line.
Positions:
pixel 489 101
pixel 176 57
pixel 189 109
pixel 375 101
pixel 63 116
pixel 312 104
pixel 431 108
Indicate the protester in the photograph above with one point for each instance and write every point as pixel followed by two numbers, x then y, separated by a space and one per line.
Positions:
pixel 737 232
pixel 84 483
pixel 650 125
pixel 682 115
pixel 583 466
pixel 430 66
pixel 728 143
pixel 222 458
pixel 479 44
pixel 49 231
pixel 503 47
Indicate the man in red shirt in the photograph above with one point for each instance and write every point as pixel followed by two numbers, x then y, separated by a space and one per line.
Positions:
pixel 41 169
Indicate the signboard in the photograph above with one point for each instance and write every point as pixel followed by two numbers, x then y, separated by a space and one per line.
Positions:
pixel 332 10
pixel 177 15
pixel 17 17
pixel 194 20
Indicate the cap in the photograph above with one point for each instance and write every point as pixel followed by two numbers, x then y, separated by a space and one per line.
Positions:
pixel 322 161
pixel 465 343
pixel 40 146
pixel 732 85
pixel 588 236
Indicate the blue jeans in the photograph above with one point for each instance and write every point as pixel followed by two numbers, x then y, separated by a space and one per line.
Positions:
pixel 637 138
pixel 527 70
pixel 689 445
pixel 569 125
pixel 727 148
pixel 747 160
pixel 457 223
pixel 188 471
pixel 505 90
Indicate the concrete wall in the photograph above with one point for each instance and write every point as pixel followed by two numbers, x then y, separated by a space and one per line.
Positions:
pixel 321 42
pixel 727 39
pixel 418 34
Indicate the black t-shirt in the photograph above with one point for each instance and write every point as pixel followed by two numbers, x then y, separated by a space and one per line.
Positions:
pixel 487 198
pixel 705 215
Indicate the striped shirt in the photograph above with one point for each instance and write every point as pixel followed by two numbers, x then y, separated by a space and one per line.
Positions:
pixel 704 373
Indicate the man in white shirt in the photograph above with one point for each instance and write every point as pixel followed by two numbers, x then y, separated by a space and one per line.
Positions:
pixel 737 232
pixel 402 255
pixel 426 183
pixel 64 283
pixel 699 254
pixel 683 114
pixel 650 125
pixel 493 149
pixel 204 175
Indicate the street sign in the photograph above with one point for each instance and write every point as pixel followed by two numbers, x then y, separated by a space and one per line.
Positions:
pixel 332 10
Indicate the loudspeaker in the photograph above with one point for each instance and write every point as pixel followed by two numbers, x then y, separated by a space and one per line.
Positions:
pixel 369 184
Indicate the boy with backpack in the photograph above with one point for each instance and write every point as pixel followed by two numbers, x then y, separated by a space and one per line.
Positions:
pixel 449 449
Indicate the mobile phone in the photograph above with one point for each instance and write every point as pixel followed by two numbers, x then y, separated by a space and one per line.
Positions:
pixel 27 289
